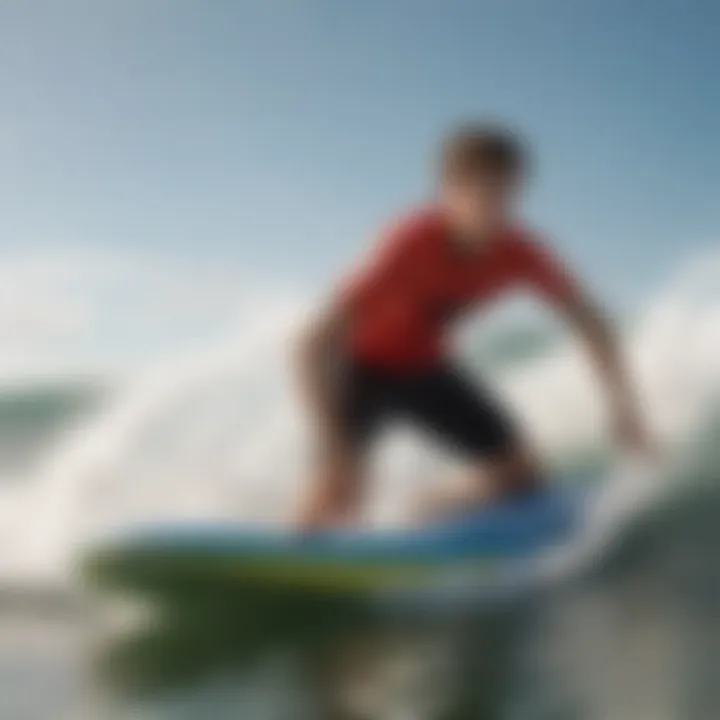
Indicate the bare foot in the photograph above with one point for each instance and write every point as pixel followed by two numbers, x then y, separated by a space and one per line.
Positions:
pixel 447 504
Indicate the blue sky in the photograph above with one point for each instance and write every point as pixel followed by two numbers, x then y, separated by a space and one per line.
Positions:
pixel 274 135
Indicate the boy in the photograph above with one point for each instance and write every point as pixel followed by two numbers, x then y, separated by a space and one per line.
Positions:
pixel 385 332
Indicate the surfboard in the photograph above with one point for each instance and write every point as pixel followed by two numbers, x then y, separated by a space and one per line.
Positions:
pixel 478 547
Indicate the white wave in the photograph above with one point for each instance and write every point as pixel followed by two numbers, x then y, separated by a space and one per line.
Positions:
pixel 218 433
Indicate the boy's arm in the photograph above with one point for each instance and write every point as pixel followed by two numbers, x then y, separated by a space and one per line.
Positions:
pixel 549 275
pixel 604 347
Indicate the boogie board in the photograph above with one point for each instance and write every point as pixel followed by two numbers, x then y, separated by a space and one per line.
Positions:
pixel 480 547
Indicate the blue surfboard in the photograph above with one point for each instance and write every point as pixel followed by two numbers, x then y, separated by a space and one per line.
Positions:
pixel 498 538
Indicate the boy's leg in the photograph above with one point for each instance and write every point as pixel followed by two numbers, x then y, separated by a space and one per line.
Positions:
pixel 334 486
pixel 481 483
pixel 337 481
pixel 469 419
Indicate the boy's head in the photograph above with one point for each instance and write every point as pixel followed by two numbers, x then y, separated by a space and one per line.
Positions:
pixel 482 169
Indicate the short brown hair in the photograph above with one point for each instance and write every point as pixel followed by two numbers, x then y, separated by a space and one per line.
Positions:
pixel 482 149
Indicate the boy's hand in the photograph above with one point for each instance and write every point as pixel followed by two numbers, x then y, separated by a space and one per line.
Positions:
pixel 628 430
pixel 632 436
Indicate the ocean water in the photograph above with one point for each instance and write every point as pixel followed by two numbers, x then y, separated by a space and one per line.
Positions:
pixel 216 434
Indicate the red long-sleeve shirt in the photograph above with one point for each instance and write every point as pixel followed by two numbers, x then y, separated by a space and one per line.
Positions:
pixel 418 280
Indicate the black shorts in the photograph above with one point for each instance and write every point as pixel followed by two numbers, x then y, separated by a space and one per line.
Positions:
pixel 460 413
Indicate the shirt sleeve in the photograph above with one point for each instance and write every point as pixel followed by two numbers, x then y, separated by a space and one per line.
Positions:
pixel 545 272
pixel 387 263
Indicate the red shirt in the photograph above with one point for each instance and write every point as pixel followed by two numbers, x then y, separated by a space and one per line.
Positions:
pixel 418 281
